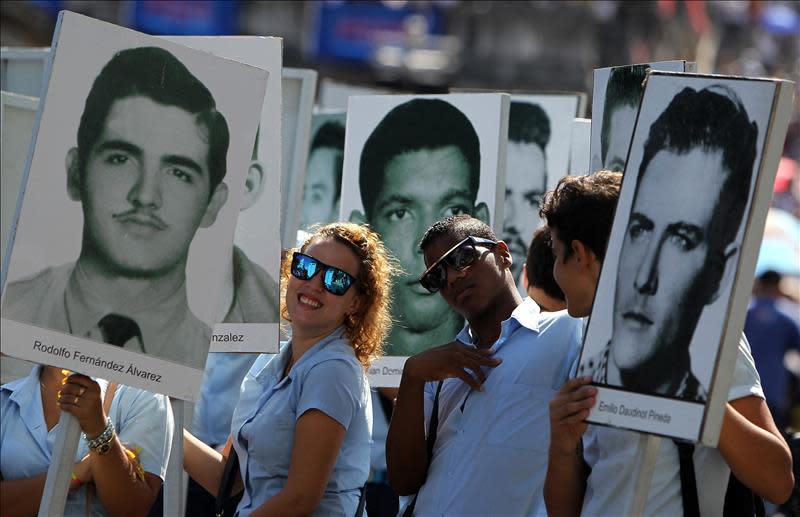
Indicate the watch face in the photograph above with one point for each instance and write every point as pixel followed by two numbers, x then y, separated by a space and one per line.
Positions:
pixel 102 449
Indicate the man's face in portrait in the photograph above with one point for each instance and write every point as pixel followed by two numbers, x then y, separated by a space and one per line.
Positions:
pixel 623 118
pixel 146 187
pixel 320 200
pixel 663 276
pixel 526 183
pixel 420 187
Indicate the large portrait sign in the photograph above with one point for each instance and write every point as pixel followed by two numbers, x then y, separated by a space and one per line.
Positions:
pixel 17 118
pixel 298 86
pixel 539 133
pixel 665 327
pixel 323 185
pixel 615 102
pixel 22 69
pixel 410 161
pixel 140 153
pixel 249 298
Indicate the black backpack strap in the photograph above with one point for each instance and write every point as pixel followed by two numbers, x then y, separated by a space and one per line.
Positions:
pixel 740 500
pixel 433 428
pixel 226 482
pixel 691 505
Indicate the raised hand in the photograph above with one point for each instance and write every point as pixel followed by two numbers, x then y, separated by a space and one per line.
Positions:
pixel 453 360
pixel 80 396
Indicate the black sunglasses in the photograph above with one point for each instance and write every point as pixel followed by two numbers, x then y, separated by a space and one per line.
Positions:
pixel 334 280
pixel 458 257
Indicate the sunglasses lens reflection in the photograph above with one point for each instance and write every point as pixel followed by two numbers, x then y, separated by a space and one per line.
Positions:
pixel 337 281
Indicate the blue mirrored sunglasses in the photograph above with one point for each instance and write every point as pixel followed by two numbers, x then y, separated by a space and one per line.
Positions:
pixel 334 280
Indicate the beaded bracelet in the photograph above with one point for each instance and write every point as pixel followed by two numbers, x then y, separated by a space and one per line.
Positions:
pixel 101 444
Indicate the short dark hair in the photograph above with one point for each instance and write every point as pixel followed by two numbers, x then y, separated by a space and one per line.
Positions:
pixel 624 88
pixel 412 126
pixel 157 74
pixel 539 264
pixel 582 208
pixel 770 278
pixel 459 227
pixel 713 119
pixel 528 123
pixel 331 135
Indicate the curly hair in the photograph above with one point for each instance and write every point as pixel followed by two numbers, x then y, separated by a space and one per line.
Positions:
pixel 368 328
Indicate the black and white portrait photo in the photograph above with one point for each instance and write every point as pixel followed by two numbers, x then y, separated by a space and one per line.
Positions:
pixel 17 118
pixel 539 131
pixel 409 162
pixel 297 87
pixel 323 186
pixel 136 178
pixel 615 102
pixel 249 296
pixel 665 290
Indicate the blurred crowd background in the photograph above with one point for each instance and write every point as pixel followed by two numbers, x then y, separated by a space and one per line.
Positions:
pixel 431 46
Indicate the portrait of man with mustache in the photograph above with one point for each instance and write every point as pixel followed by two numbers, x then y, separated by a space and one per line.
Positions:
pixel 148 171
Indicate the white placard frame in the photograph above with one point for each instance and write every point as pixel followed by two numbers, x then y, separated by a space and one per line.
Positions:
pixel 296 141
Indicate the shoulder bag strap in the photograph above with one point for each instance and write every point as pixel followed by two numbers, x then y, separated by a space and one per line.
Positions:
pixel 226 482
pixel 433 428
pixel 691 505
pixel 111 389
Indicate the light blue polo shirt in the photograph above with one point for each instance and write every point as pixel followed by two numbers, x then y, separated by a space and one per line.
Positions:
pixel 490 456
pixel 141 419
pixel 329 378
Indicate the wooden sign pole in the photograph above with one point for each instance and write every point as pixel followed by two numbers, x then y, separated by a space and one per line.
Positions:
pixel 56 487
pixel 648 453
pixel 174 482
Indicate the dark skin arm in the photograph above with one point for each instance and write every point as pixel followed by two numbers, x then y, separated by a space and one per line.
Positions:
pixel 119 488
pixel 406 452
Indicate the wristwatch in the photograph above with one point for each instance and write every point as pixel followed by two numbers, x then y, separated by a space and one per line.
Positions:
pixel 101 443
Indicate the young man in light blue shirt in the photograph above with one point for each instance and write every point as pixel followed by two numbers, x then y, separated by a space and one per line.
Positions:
pixel 498 375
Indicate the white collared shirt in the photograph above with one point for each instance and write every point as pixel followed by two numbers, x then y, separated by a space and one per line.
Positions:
pixel 491 458
pixel 612 456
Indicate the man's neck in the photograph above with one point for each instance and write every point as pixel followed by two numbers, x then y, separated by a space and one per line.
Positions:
pixel 117 288
pixel 485 327
pixel 405 342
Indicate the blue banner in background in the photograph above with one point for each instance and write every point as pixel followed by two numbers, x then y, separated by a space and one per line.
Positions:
pixel 348 31
pixel 185 17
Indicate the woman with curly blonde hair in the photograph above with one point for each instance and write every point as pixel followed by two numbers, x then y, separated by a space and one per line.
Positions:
pixel 302 426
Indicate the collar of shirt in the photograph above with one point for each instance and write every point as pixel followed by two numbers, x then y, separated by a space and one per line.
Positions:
pixel 255 293
pixel 322 350
pixel 156 309
pixel 26 394
pixel 525 315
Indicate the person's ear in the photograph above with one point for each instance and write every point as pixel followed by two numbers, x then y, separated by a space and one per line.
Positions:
pixel 73 174
pixel 253 185
pixel 503 254
pixel 582 253
pixel 215 204
pixel 525 277
pixel 356 216
pixel 356 305
pixel 722 274
pixel 482 213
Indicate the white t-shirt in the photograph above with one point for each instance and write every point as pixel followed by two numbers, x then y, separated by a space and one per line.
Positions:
pixel 613 457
